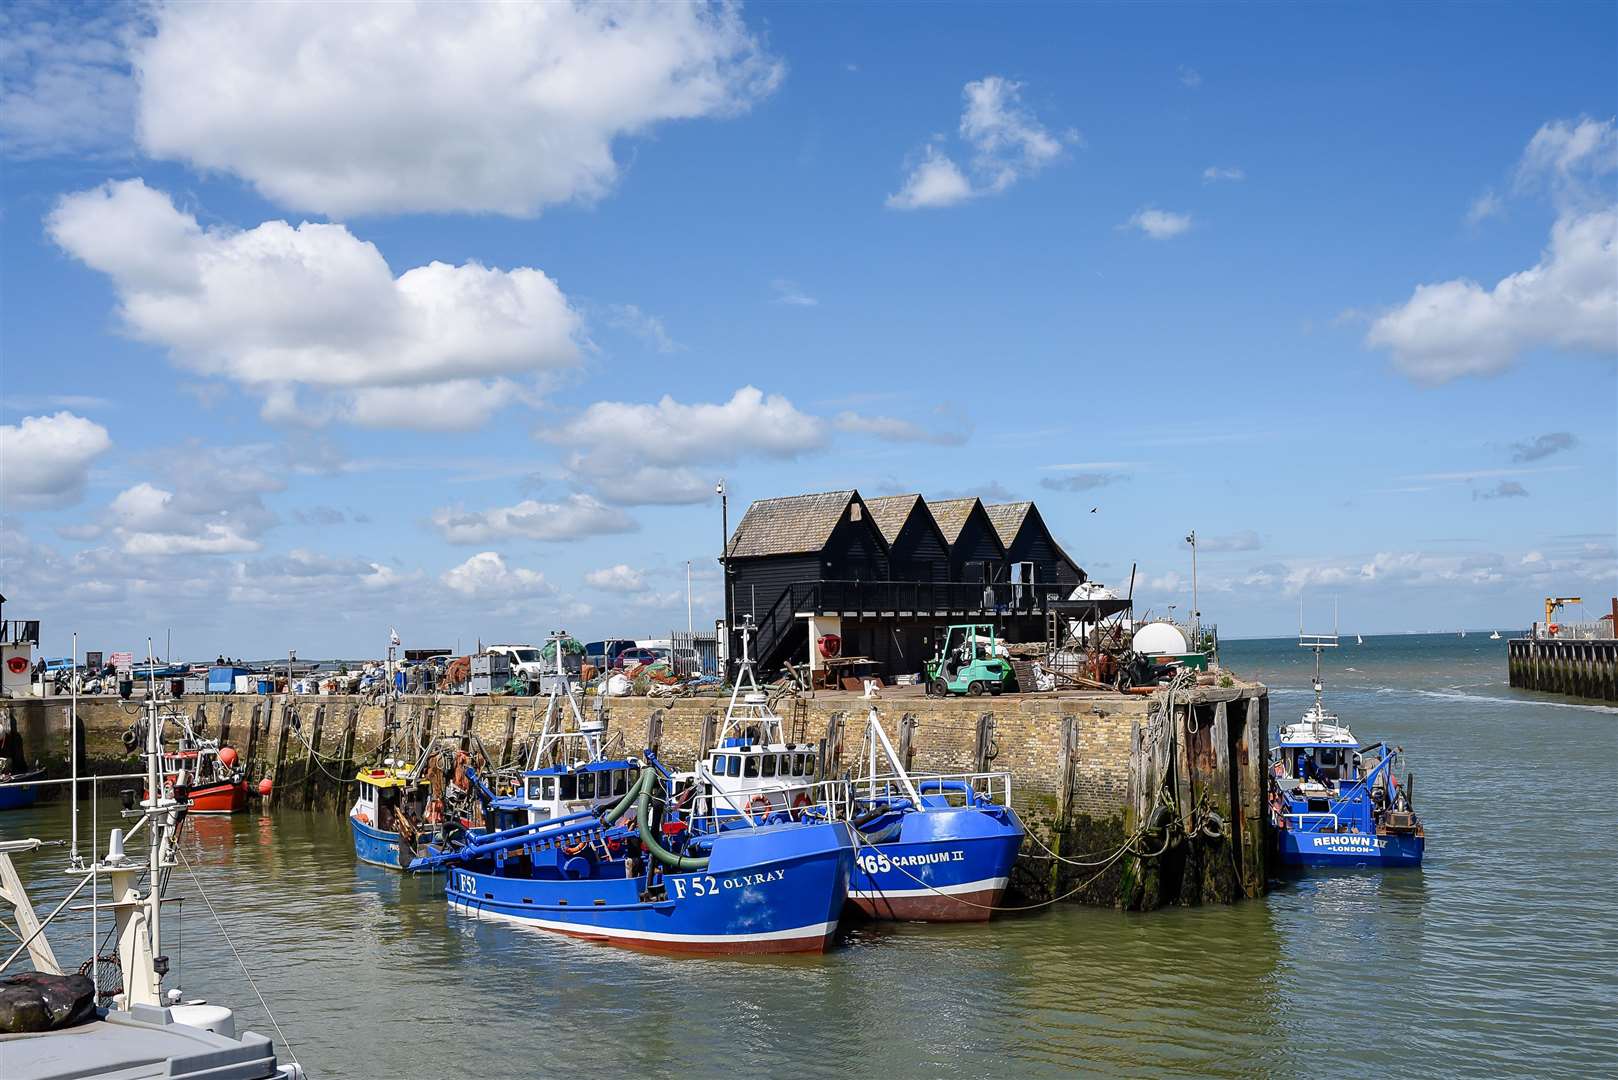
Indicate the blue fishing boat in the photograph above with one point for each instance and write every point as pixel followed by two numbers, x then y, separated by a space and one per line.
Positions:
pixel 650 880
pixel 18 790
pixel 1334 802
pixel 935 847
pixel 18 787
pixel 379 815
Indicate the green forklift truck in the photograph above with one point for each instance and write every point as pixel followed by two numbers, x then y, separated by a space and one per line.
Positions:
pixel 967 663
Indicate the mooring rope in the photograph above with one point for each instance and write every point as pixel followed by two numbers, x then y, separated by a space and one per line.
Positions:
pixel 860 841
pixel 237 954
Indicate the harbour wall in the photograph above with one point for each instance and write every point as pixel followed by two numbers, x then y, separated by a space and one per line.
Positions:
pixel 1086 768
pixel 1586 668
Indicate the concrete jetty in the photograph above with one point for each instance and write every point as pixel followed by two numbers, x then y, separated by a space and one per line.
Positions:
pixel 1088 769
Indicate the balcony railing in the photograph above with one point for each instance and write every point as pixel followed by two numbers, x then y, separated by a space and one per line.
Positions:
pixel 19 632
pixel 901 598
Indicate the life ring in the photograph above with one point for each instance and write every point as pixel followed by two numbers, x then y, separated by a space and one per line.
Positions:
pixel 17 665
pixel 363 818
pixel 759 804
pixel 573 849
pixel 799 802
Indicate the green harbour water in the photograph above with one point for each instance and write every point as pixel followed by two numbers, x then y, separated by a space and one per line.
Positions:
pixel 1498 958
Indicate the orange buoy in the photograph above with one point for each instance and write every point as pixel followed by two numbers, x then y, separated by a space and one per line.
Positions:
pixel 227 756
pixel 265 787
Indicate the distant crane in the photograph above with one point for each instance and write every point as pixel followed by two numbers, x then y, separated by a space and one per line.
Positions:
pixel 1552 603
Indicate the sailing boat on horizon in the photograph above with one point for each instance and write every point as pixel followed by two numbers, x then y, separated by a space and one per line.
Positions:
pixel 1358 640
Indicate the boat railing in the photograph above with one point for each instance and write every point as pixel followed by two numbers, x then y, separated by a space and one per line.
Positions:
pixel 829 798
pixel 991 787
pixel 1301 817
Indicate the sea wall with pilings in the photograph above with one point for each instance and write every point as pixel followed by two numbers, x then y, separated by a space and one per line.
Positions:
pixel 1582 668
pixel 1087 769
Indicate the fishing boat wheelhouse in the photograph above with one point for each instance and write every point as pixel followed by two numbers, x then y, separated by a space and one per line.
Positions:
pixel 211 773
pixel 752 771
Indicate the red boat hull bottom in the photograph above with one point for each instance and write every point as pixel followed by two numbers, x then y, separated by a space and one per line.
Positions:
pixel 221 798
pixel 971 906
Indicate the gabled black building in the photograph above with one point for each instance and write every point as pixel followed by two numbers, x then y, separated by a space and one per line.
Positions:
pixel 975 551
pixel 917 549
pixel 887 574
pixel 1032 554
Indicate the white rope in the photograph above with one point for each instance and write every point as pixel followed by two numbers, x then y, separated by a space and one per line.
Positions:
pixel 239 961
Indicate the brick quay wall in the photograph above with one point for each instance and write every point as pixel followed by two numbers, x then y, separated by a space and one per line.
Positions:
pixel 1069 755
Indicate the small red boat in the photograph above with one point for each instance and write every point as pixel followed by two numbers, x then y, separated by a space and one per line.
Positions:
pixel 216 786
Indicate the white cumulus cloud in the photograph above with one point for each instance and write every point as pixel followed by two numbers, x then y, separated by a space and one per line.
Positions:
pixel 348 109
pixel 1567 300
pixel 1160 224
pixel 635 453
pixel 279 306
pixel 487 574
pixel 936 181
pixel 1007 143
pixel 619 578
pixel 576 516
pixel 44 460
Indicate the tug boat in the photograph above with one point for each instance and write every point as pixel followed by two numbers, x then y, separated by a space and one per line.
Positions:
pixel 936 848
pixel 1334 802
pixel 650 880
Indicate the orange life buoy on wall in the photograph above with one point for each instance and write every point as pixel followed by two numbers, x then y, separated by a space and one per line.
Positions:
pixel 830 645
pixel 17 665
pixel 758 804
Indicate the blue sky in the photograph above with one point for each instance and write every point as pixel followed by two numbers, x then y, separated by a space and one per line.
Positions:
pixel 1336 286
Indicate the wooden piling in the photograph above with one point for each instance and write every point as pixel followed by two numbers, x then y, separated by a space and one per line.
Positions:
pixel 311 768
pixel 287 713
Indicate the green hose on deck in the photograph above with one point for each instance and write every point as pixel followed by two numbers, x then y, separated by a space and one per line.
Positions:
pixel 623 805
pixel 643 818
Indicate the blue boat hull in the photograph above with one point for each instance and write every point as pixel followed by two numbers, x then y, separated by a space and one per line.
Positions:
pixel 1304 848
pixel 375 846
pixel 15 798
pixel 945 865
pixel 772 889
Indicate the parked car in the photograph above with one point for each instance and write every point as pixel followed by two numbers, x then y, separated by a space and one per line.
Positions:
pixel 604 654
pixel 526 663
pixel 631 657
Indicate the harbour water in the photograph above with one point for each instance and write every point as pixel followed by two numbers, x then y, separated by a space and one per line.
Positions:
pixel 1496 958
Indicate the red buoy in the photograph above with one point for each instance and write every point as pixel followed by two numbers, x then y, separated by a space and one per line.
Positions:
pixel 265 787
pixel 227 756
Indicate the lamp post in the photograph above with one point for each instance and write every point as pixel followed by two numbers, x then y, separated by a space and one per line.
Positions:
pixel 724 570
pixel 688 627
pixel 1196 614
pixel 292 654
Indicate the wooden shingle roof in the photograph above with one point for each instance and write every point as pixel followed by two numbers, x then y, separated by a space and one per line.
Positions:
pixel 890 512
pixel 1008 518
pixel 791 525
pixel 951 515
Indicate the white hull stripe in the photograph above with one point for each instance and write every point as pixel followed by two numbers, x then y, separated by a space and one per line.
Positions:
pixel 813 930
pixel 981 885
